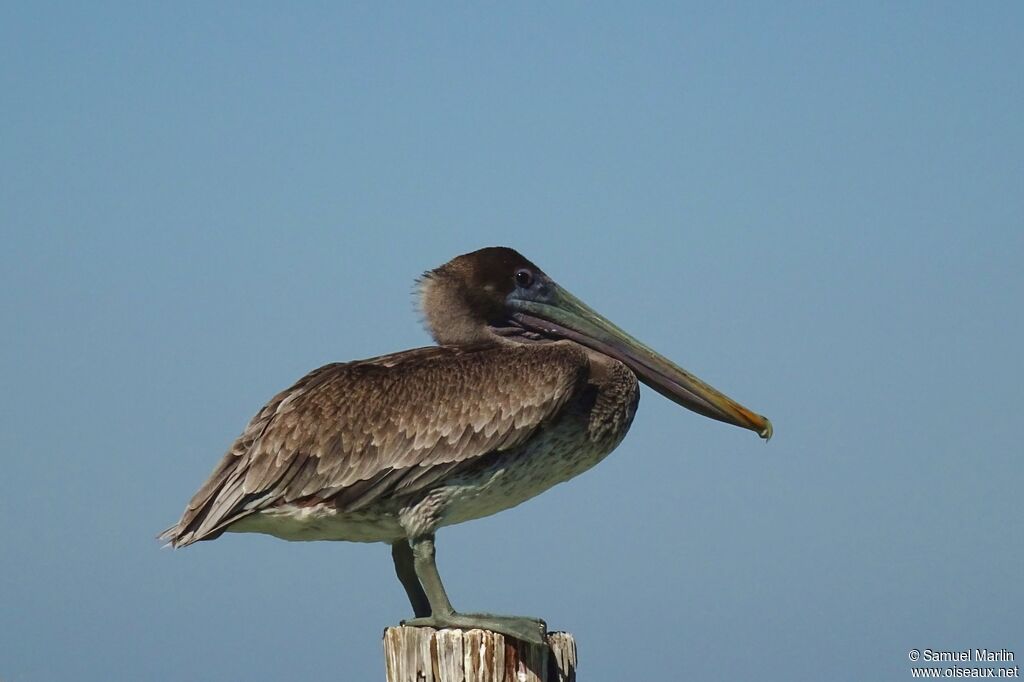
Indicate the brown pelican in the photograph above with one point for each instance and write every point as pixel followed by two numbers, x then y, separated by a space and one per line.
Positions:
pixel 527 387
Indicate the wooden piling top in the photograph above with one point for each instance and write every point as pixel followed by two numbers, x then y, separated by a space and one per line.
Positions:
pixel 415 654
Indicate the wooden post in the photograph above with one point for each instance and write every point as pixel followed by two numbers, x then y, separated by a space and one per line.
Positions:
pixel 429 655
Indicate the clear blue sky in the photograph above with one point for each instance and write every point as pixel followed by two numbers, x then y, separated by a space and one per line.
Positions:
pixel 818 208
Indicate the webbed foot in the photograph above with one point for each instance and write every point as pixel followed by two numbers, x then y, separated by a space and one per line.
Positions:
pixel 531 630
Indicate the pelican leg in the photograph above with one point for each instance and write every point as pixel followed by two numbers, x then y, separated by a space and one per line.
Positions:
pixel 401 553
pixel 442 615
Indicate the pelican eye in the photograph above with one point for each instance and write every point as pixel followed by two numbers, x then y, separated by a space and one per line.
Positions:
pixel 524 277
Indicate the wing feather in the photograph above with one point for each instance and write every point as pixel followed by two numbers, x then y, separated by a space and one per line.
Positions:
pixel 359 432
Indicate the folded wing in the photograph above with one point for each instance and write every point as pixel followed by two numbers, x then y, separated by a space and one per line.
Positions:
pixel 359 432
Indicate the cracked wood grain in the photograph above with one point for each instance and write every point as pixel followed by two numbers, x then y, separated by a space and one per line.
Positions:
pixel 429 655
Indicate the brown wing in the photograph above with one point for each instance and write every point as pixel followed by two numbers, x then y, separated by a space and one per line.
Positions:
pixel 362 431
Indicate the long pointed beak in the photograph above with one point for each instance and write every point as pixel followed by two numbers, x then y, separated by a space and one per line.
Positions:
pixel 566 316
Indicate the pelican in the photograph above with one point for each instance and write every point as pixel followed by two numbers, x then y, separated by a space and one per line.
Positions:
pixel 527 387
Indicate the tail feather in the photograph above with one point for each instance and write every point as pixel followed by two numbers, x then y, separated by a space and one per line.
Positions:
pixel 168 536
pixel 190 529
pixel 196 523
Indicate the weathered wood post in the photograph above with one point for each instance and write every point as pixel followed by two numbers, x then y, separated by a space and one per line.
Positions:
pixel 429 655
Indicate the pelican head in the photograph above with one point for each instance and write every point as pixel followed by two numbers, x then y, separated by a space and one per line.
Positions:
pixel 495 295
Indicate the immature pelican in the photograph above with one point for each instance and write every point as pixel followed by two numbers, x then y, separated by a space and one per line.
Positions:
pixel 527 388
